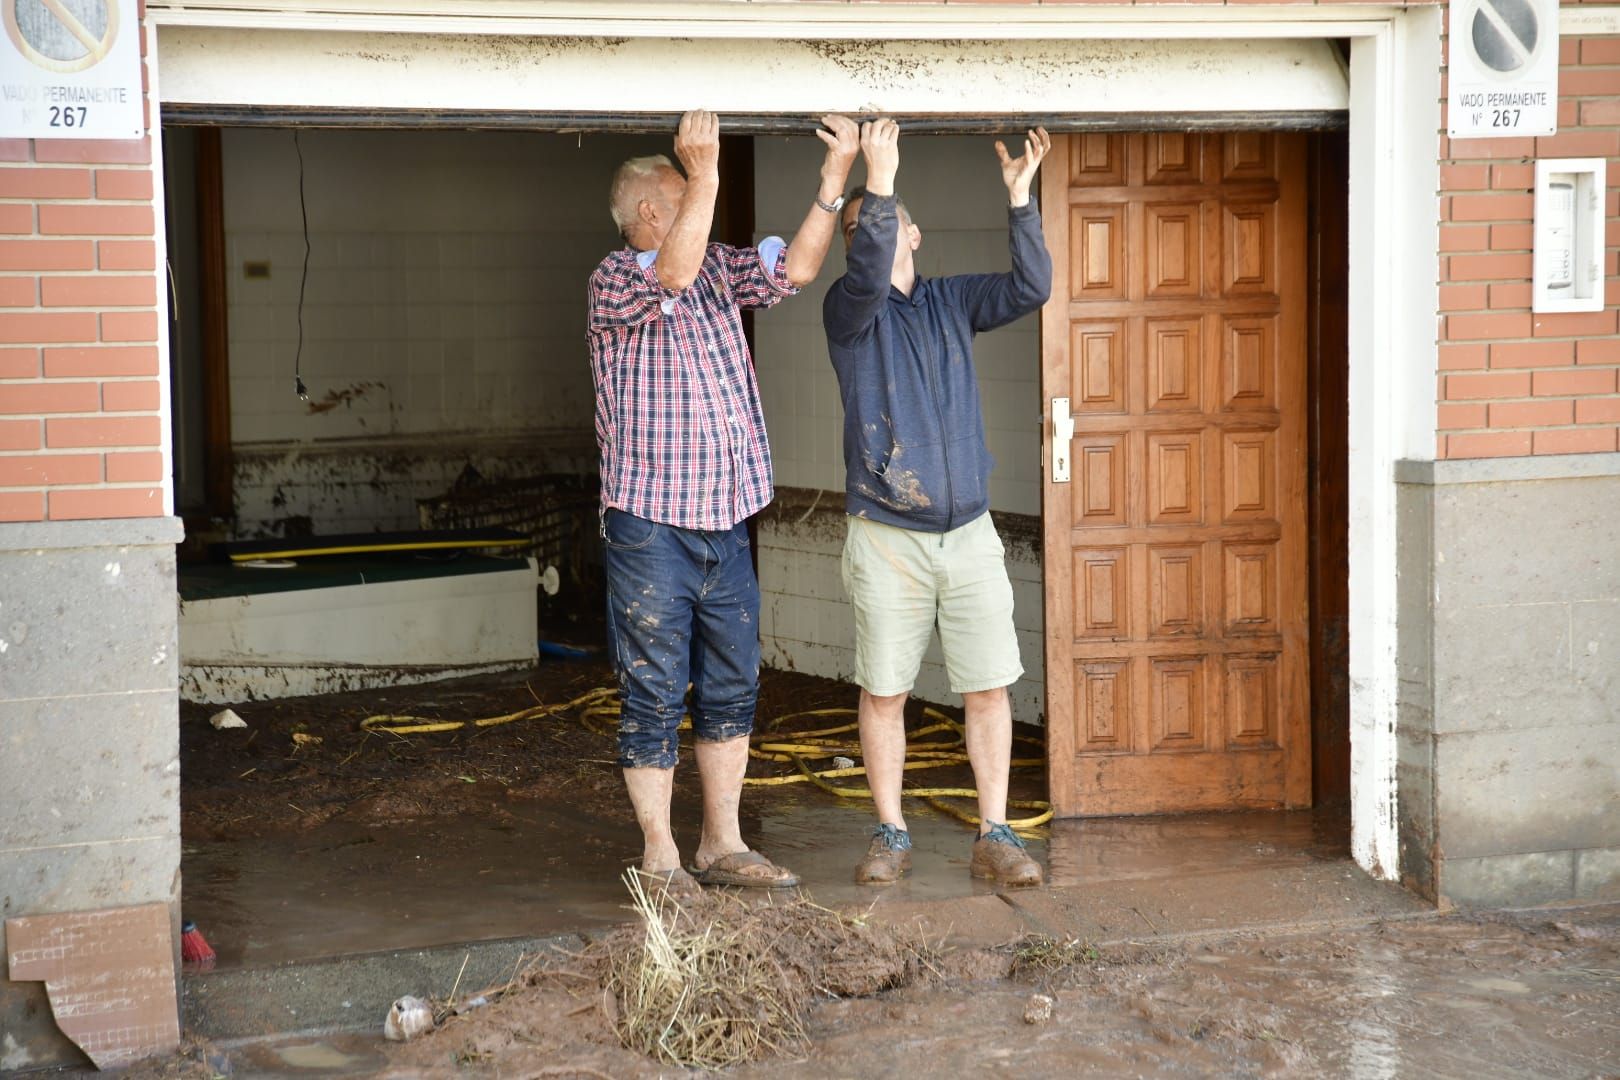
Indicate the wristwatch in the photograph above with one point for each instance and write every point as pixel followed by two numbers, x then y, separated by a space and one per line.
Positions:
pixel 832 207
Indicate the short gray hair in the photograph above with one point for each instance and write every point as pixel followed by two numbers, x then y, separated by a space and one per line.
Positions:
pixel 622 197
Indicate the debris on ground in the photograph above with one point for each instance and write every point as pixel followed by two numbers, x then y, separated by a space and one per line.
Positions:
pixel 1505 994
pixel 1039 1009
pixel 407 1018
pixel 226 719
pixel 709 983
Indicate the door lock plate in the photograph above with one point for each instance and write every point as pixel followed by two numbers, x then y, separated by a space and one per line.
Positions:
pixel 1062 438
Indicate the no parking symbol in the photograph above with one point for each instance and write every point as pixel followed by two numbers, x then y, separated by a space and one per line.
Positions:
pixel 1504 68
pixel 72 69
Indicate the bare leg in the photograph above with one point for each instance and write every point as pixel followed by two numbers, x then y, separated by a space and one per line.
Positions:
pixel 721 766
pixel 883 746
pixel 989 747
pixel 650 792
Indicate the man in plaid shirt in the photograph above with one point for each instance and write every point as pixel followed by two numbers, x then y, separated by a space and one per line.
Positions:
pixel 684 462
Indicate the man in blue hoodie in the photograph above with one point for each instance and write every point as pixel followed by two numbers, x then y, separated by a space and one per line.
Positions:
pixel 921 549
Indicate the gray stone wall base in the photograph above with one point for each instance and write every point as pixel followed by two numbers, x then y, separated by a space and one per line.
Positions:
pixel 89 739
pixel 1509 654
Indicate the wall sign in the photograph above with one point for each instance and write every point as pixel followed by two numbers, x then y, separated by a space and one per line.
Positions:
pixel 70 69
pixel 1503 74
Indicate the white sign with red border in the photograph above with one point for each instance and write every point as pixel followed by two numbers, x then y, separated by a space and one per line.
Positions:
pixel 1503 72
pixel 70 69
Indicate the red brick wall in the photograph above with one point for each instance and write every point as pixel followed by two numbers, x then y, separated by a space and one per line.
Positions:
pixel 1511 382
pixel 81 433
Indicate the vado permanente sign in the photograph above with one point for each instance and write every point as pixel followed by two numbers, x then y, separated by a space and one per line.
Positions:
pixel 70 69
pixel 1504 68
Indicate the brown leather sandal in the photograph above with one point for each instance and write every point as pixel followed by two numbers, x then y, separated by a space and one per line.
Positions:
pixel 732 870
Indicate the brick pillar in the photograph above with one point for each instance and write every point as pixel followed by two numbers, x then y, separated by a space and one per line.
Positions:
pixel 89 672
pixel 1510 588
pixel 1513 383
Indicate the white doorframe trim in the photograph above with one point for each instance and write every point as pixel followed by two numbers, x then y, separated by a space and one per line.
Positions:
pixel 1394 230
pixel 1394 300
pixel 708 19
pixel 165 297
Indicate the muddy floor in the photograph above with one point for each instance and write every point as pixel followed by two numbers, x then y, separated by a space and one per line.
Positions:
pixel 302 762
pixel 1515 995
pixel 306 835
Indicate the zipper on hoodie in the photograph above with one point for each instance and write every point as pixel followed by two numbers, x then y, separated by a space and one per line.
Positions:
pixel 945 446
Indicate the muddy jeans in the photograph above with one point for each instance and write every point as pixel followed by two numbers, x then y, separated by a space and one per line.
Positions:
pixel 682 606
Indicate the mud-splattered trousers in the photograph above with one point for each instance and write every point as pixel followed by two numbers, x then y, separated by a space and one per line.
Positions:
pixel 682 606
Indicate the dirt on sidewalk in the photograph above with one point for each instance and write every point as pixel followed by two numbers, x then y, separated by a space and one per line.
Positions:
pixel 1466 996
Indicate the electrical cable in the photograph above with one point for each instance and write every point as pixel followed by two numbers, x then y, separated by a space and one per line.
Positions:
pixel 303 280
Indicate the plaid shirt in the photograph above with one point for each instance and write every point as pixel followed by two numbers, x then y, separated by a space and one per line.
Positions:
pixel 678 418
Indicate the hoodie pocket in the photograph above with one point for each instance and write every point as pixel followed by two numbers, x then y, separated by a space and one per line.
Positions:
pixel 970 465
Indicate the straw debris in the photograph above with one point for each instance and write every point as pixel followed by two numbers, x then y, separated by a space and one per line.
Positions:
pixel 720 981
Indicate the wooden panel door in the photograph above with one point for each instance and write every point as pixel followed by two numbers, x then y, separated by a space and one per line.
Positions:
pixel 1176 583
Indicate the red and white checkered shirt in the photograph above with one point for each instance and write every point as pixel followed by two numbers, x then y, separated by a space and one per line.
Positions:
pixel 678 418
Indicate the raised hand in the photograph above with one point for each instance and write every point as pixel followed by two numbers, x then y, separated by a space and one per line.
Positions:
pixel 843 141
pixel 880 142
pixel 697 142
pixel 1019 172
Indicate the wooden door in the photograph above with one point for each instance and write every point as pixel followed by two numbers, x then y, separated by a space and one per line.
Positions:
pixel 1176 584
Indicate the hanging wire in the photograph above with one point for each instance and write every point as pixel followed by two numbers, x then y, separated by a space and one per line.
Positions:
pixel 303 280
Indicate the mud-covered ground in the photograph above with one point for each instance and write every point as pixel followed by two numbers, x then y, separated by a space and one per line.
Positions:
pixel 306 761
pixel 1513 995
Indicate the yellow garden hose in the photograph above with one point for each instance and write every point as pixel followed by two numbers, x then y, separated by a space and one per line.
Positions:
pixel 599 712
pixel 421 725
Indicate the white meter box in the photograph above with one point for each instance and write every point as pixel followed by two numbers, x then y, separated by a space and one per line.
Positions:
pixel 1503 73
pixel 1567 267
pixel 70 69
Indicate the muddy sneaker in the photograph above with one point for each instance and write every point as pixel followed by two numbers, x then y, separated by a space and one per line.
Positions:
pixel 1000 856
pixel 887 858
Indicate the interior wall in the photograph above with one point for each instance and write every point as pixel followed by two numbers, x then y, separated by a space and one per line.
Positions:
pixel 444 308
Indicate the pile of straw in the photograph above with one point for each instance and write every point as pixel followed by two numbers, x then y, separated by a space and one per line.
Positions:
pixel 720 981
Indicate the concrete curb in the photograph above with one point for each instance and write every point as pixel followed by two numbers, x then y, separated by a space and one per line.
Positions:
pixel 346 993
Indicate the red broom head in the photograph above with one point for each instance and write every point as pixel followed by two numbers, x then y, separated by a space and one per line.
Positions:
pixel 194 948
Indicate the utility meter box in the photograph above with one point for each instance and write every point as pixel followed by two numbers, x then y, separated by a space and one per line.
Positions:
pixel 1567 268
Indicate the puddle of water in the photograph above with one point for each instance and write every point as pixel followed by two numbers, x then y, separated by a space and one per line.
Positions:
pixel 1376 1003
pixel 336 1055
pixel 551 867
pixel 1113 849
pixel 315 1056
pixel 344 888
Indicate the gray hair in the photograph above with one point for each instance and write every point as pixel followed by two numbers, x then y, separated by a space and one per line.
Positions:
pixel 624 197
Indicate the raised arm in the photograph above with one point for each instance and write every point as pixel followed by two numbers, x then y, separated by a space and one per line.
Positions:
pixel 697 145
pixel 997 299
pixel 854 301
pixel 809 248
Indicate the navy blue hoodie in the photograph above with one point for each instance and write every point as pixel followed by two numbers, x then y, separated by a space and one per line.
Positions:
pixel 914 450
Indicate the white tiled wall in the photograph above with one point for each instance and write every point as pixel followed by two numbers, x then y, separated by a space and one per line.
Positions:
pixel 445 299
pixel 952 185
pixel 446 279
pixel 953 188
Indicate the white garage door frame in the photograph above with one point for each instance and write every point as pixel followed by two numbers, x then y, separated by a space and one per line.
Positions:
pixel 1394 117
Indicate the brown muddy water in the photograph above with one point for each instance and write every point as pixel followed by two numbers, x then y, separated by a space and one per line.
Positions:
pixel 1525 996
pixel 542 867
pixel 1532 994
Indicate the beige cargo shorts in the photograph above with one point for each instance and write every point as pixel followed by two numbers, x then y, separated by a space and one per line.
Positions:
pixel 903 583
